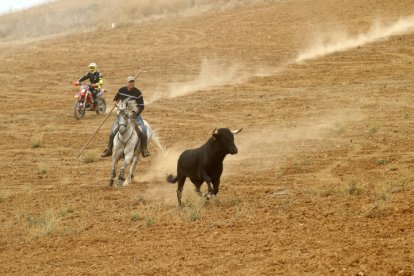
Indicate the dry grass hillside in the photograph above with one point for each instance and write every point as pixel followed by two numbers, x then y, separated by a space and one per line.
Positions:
pixel 323 183
pixel 61 17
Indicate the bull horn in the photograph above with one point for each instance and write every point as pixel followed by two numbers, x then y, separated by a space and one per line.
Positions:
pixel 237 131
pixel 215 131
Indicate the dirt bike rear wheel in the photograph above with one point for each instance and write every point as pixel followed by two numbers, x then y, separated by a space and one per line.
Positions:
pixel 100 107
pixel 79 109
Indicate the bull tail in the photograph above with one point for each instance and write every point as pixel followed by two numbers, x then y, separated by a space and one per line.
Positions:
pixel 172 179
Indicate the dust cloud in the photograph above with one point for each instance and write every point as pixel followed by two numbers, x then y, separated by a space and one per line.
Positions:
pixel 213 73
pixel 264 148
pixel 162 165
pixel 338 41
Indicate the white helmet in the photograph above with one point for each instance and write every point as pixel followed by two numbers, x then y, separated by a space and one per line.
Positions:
pixel 92 67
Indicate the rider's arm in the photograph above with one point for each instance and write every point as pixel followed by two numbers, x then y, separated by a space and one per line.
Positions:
pixel 83 78
pixel 140 104
pixel 116 98
pixel 100 82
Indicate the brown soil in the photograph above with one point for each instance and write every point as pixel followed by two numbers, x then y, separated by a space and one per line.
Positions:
pixel 322 183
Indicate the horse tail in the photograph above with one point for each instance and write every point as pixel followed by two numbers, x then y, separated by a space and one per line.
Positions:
pixel 172 179
pixel 152 136
pixel 156 140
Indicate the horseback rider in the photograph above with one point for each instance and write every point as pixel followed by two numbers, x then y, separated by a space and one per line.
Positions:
pixel 129 91
pixel 95 78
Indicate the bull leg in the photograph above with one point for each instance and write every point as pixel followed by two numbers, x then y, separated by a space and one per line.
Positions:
pixel 210 193
pixel 216 185
pixel 207 179
pixel 180 187
pixel 197 189
pixel 131 171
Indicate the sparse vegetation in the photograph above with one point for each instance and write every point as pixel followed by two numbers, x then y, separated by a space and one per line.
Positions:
pixel 352 188
pixel 339 128
pixel 328 190
pixel 373 210
pixel 193 206
pixel 389 187
pixel 36 141
pixel 246 209
pixel 46 223
pixel 373 129
pixel 64 211
pixel 136 217
pixel 138 199
pixel 90 157
pixel 149 221
pixel 49 128
pixel 382 161
pixel 43 168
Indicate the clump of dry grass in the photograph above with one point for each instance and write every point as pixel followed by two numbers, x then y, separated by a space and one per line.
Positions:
pixel 43 168
pixel 36 141
pixel 385 189
pixel 46 223
pixel 149 221
pixel 43 224
pixel 136 216
pixel 138 199
pixel 193 206
pixel 347 189
pixel 90 157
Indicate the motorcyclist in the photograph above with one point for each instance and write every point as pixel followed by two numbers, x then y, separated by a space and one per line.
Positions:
pixel 124 92
pixel 95 78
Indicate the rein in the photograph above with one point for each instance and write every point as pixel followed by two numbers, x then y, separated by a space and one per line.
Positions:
pixel 130 136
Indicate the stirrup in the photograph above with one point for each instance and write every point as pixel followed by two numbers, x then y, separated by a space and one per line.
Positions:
pixel 106 153
pixel 145 153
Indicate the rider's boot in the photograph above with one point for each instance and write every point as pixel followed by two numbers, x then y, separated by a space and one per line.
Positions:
pixel 144 147
pixel 108 151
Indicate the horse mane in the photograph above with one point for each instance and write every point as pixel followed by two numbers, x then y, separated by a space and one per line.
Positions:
pixel 132 106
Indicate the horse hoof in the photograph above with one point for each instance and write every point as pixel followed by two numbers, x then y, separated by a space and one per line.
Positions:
pixel 125 184
pixel 210 196
pixel 120 182
pixel 111 183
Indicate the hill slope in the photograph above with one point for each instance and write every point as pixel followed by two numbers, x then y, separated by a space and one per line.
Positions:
pixel 322 183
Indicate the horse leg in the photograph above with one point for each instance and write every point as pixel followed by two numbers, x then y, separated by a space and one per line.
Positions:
pixel 113 173
pixel 131 171
pixel 125 163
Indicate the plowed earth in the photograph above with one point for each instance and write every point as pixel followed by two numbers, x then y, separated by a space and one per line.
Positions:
pixel 322 183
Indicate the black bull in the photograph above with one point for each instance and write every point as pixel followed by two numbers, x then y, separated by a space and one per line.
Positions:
pixel 205 164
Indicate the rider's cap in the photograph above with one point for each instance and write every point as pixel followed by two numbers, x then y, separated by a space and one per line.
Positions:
pixel 130 78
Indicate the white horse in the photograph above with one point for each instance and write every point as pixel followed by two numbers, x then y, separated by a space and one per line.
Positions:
pixel 127 142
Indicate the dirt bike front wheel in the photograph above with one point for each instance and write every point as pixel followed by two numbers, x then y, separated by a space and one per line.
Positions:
pixel 79 109
pixel 100 106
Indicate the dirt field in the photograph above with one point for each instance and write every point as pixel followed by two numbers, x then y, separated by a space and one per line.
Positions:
pixel 323 183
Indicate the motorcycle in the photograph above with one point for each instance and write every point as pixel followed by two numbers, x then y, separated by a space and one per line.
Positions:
pixel 85 102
